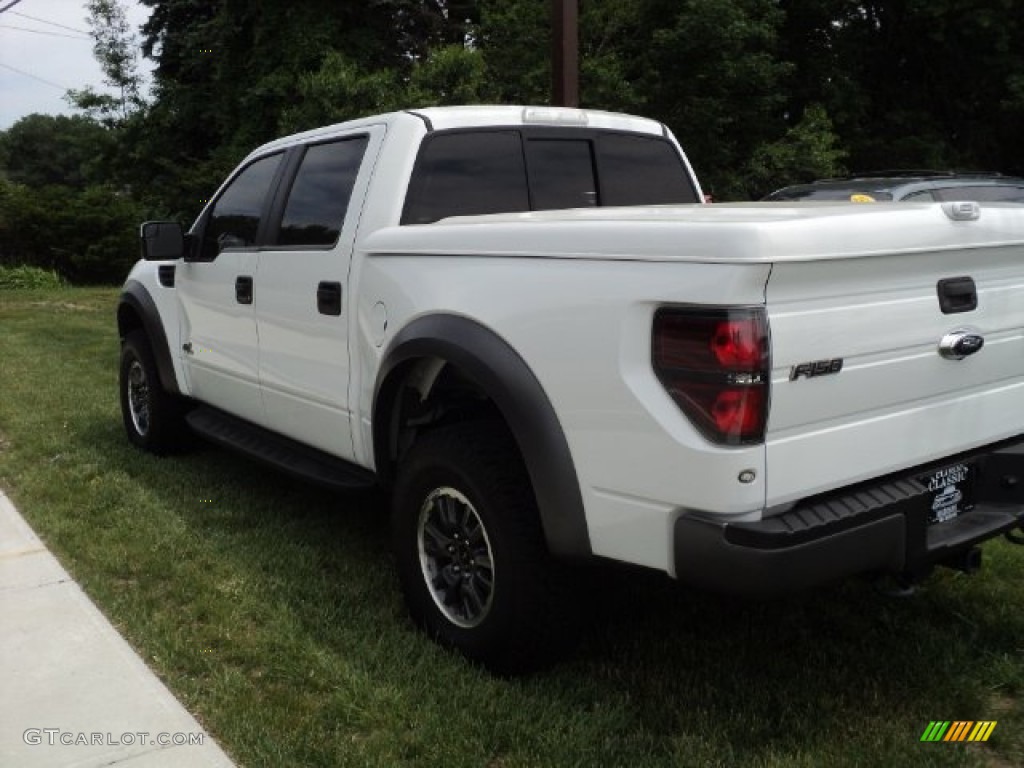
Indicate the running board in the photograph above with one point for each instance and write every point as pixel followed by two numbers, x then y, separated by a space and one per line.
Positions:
pixel 278 451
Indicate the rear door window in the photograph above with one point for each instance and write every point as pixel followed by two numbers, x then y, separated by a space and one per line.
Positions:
pixel 320 194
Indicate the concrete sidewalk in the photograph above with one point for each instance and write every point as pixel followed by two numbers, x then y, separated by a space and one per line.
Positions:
pixel 73 693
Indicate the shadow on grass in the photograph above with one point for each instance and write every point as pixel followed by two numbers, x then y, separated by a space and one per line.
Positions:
pixel 662 671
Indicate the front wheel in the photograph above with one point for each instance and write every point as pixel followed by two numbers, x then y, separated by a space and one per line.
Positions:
pixel 470 551
pixel 154 420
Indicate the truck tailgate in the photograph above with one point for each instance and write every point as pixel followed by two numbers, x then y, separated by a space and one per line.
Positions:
pixel 859 387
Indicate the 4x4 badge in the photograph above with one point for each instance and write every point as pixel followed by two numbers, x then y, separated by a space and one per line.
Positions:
pixel 958 344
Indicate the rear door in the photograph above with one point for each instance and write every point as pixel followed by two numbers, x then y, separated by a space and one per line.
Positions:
pixel 863 381
pixel 303 307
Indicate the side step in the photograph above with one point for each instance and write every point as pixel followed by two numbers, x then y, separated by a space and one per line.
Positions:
pixel 278 451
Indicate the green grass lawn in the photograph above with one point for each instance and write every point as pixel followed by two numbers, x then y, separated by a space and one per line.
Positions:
pixel 271 610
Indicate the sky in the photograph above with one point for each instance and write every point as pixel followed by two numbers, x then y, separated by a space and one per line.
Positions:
pixel 45 49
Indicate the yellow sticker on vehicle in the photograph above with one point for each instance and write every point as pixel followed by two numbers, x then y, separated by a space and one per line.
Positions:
pixel 860 197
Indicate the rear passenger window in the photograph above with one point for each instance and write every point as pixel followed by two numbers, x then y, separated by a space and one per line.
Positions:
pixel 235 218
pixel 561 173
pixel 465 174
pixel 319 197
pixel 641 171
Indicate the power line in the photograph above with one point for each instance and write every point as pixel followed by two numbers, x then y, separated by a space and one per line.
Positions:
pixel 9 5
pixel 34 77
pixel 51 23
pixel 44 32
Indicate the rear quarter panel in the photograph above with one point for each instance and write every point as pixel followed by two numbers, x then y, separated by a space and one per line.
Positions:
pixel 584 329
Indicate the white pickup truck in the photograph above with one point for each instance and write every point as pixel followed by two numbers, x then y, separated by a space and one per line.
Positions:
pixel 523 323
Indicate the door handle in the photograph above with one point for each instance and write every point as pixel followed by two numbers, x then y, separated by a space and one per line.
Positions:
pixel 328 298
pixel 957 294
pixel 243 289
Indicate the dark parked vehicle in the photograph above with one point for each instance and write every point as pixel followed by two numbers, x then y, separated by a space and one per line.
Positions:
pixel 908 186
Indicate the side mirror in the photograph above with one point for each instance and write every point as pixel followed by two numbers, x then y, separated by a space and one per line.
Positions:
pixel 162 240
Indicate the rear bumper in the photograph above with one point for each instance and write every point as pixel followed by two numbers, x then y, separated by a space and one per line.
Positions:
pixel 880 527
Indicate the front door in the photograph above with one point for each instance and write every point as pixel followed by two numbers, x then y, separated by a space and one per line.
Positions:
pixel 217 293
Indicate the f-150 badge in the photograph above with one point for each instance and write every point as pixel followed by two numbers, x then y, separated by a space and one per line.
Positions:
pixel 815 368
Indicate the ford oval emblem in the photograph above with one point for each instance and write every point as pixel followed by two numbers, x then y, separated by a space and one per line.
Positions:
pixel 956 345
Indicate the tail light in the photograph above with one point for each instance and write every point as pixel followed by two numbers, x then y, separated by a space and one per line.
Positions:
pixel 715 365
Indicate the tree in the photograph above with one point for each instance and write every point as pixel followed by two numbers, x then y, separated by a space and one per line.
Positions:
pixel 45 149
pixel 808 151
pixel 116 50
pixel 912 83
pixel 514 37
pixel 87 236
pixel 453 74
pixel 424 26
pixel 231 74
pixel 758 91
pixel 339 90
pixel 712 72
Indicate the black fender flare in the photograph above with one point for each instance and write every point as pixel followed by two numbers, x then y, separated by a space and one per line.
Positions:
pixel 489 360
pixel 135 298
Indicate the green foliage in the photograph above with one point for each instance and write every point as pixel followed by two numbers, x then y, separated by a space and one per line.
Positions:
pixel 514 37
pixel 46 149
pixel 85 235
pixel 66 201
pixel 453 74
pixel 808 151
pixel 29 278
pixel 420 28
pixel 338 90
pixel 116 50
pixel 911 84
pixel 228 71
pixel 759 92
pixel 713 76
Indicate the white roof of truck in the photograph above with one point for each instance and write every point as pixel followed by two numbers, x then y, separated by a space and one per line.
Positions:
pixel 445 118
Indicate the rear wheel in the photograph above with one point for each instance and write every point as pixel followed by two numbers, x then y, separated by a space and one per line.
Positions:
pixel 470 551
pixel 154 420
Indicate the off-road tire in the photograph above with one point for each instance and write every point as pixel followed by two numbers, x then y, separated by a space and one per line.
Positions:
pixel 493 594
pixel 154 420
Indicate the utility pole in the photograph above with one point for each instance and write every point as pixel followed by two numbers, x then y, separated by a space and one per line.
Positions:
pixel 565 64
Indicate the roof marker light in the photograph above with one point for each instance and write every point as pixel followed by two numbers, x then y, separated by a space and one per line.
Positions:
pixel 554 116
